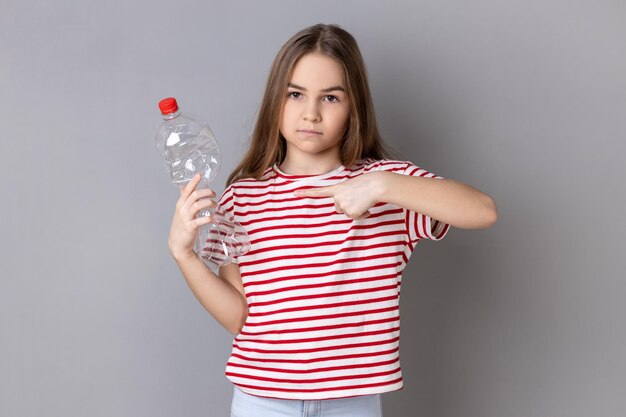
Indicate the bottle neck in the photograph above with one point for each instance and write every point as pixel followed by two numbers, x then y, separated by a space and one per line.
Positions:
pixel 171 116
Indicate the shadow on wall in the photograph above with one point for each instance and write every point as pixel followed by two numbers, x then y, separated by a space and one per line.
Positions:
pixel 447 284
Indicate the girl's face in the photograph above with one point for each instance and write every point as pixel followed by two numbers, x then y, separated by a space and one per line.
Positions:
pixel 316 111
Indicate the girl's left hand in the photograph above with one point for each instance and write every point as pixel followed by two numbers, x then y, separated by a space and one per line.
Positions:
pixel 353 197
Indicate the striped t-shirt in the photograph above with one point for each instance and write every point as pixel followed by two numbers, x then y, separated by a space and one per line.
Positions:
pixel 322 289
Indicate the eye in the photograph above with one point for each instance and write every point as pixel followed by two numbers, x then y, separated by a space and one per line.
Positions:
pixel 331 99
pixel 294 94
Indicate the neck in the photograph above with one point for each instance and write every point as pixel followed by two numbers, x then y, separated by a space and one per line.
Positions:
pixel 311 165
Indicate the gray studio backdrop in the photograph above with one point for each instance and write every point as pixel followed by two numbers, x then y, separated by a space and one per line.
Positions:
pixel 526 100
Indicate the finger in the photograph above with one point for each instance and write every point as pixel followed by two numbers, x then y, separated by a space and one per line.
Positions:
pixel 353 216
pixel 191 185
pixel 195 196
pixel 200 194
pixel 200 205
pixel 315 192
pixel 363 216
pixel 201 221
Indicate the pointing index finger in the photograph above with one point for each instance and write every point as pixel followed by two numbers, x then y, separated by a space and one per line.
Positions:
pixel 327 191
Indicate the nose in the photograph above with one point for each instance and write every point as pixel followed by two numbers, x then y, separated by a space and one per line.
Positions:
pixel 312 113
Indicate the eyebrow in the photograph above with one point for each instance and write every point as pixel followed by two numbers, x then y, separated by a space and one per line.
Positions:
pixel 325 90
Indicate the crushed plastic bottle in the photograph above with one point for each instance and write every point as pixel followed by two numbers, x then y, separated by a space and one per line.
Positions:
pixel 187 148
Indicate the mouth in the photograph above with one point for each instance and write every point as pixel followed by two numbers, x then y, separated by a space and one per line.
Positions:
pixel 309 132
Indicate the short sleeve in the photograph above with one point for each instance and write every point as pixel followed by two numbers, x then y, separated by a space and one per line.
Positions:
pixel 421 226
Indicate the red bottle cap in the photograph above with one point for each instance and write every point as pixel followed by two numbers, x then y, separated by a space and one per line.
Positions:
pixel 168 105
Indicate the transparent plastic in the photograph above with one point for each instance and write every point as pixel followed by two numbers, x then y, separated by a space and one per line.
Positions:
pixel 188 147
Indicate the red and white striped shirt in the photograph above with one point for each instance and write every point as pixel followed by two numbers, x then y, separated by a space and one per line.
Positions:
pixel 322 289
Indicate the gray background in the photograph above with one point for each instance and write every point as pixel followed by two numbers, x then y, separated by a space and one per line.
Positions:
pixel 525 100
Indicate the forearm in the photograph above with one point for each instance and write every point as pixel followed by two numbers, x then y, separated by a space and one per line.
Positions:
pixel 449 201
pixel 227 305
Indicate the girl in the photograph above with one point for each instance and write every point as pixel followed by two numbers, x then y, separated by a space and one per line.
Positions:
pixel 332 222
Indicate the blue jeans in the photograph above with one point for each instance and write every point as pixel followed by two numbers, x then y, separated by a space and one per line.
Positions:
pixel 247 405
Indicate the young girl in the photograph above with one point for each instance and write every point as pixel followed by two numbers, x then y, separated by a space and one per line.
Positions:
pixel 332 222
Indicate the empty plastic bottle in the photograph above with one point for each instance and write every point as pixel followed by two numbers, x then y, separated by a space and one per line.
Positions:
pixel 188 147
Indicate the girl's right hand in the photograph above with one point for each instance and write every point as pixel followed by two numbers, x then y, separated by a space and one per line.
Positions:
pixel 185 225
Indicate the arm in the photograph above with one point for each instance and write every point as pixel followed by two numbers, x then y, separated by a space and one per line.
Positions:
pixel 222 296
pixel 446 200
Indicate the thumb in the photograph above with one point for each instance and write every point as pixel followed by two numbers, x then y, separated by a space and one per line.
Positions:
pixel 327 191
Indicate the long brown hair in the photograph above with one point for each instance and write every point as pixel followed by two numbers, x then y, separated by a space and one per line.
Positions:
pixel 362 139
